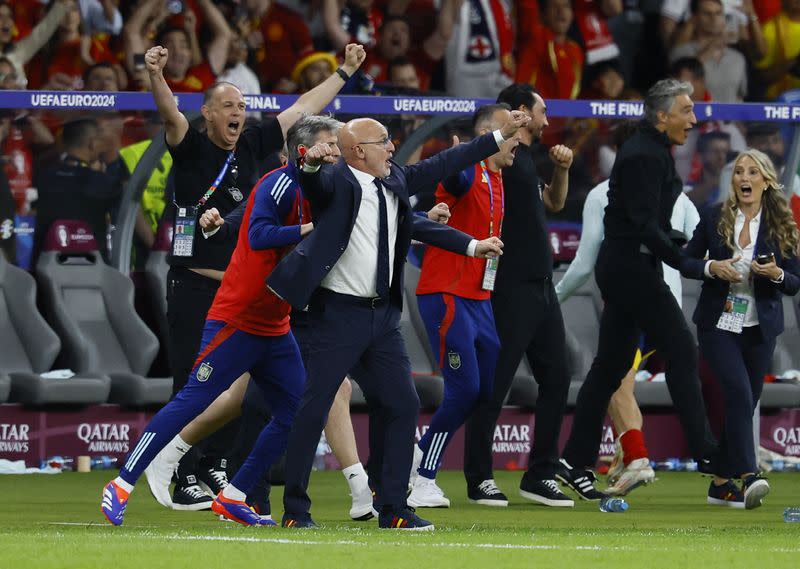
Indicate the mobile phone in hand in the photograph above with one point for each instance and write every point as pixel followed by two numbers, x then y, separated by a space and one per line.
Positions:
pixel 138 60
pixel 764 259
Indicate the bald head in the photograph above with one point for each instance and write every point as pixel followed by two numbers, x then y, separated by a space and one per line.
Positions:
pixel 366 146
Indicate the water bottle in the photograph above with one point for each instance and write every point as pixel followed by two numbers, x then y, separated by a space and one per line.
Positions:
pixel 103 462
pixel 61 462
pixel 777 465
pixel 792 514
pixel 613 504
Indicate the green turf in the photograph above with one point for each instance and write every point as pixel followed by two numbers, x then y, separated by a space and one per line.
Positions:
pixel 54 521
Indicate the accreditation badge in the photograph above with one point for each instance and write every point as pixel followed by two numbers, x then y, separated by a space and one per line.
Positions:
pixel 732 318
pixel 183 236
pixel 490 273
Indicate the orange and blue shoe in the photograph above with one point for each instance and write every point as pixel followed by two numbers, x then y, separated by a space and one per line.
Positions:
pixel 115 499
pixel 727 494
pixel 239 512
pixel 404 519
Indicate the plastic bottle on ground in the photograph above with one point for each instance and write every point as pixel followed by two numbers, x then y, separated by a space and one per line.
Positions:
pixel 613 504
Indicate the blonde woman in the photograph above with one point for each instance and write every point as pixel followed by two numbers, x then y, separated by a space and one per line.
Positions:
pixel 751 240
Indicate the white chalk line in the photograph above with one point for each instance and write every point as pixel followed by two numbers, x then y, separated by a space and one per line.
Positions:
pixel 373 542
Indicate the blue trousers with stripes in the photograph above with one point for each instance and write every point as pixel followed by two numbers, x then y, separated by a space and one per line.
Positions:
pixel 274 364
pixel 463 337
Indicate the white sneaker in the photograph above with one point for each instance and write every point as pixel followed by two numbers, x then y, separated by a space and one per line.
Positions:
pixel 617 463
pixel 362 508
pixel 159 476
pixel 415 464
pixel 426 494
pixel 638 472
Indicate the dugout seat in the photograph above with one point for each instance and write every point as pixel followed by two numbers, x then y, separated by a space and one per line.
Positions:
pixel 90 305
pixel 29 347
pixel 786 357
pixel 155 271
pixel 690 294
pixel 427 380
pixel 581 314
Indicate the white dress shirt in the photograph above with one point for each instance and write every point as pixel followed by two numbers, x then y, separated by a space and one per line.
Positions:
pixel 684 218
pixel 744 289
pixel 355 273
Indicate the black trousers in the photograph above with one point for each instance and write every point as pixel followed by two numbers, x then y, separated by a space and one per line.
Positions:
pixel 739 362
pixel 529 322
pixel 637 300
pixel 189 297
pixel 344 332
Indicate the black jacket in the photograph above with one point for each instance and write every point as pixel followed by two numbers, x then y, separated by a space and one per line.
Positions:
pixel 642 191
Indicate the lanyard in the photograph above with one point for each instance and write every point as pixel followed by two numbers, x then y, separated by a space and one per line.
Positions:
pixel 485 173
pixel 213 188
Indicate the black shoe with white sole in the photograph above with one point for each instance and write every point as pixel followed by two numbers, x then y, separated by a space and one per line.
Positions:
pixel 214 478
pixel 755 489
pixel 580 480
pixel 189 496
pixel 544 492
pixel 487 494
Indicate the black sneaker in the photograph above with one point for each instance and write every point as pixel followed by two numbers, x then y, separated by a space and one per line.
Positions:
pixel 487 494
pixel 581 481
pixel 754 488
pixel 215 478
pixel 302 521
pixel 189 496
pixel 727 495
pixel 544 492
pixel 404 519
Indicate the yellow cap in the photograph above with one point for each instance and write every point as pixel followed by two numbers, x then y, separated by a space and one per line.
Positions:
pixel 313 57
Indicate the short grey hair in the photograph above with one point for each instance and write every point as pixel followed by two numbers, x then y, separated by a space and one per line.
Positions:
pixel 662 95
pixel 305 132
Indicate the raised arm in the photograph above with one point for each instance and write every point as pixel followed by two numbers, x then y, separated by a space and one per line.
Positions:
pixel 266 228
pixel 554 195
pixel 318 98
pixel 436 44
pixel 332 21
pixel 133 33
pixel 217 48
pixel 175 124
pixel 448 162
pixel 28 46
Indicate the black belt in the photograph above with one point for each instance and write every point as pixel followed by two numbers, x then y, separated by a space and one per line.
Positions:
pixel 324 295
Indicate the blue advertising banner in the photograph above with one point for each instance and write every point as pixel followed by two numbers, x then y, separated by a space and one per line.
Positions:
pixel 390 105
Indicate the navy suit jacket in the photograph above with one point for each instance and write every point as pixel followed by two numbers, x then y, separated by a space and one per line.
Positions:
pixel 768 295
pixel 335 197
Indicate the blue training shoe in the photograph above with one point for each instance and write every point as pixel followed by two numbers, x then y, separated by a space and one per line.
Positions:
pixel 239 512
pixel 115 499
pixel 302 521
pixel 727 494
pixel 404 519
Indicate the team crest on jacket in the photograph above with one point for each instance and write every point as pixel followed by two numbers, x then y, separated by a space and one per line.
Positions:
pixel 454 359
pixel 204 372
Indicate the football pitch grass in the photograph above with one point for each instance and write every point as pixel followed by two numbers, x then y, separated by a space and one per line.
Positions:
pixel 55 522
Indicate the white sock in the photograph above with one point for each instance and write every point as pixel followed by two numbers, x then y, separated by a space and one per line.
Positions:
pixel 356 478
pixel 124 485
pixel 233 493
pixel 175 449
